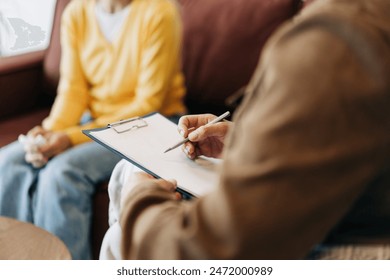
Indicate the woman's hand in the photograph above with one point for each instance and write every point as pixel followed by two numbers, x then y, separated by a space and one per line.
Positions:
pixel 139 177
pixel 56 142
pixel 207 140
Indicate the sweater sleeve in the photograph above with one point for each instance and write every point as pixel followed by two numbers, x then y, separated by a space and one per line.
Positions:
pixel 299 156
pixel 72 94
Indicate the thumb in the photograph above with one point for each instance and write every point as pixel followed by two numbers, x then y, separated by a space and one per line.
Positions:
pixel 198 135
pixel 207 131
pixel 169 185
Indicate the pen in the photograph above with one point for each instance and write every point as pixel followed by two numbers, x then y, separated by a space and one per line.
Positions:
pixel 220 118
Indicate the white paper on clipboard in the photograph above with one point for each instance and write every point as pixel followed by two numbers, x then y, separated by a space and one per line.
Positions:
pixel 143 141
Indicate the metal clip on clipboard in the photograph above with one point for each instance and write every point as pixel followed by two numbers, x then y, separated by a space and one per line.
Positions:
pixel 128 124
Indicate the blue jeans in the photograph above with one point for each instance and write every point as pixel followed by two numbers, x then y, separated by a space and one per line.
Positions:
pixel 58 196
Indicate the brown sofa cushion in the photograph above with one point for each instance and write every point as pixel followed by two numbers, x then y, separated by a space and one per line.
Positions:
pixel 222 43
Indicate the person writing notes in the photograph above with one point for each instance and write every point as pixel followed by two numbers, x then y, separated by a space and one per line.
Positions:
pixel 212 121
pixel 120 59
pixel 306 160
pixel 195 178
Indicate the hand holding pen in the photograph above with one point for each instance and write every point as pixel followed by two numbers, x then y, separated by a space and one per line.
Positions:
pixel 204 135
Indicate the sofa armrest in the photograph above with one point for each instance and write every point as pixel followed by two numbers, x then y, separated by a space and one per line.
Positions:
pixel 20 83
pixel 18 63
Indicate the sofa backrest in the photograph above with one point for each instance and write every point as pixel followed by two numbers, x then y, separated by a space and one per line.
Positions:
pixel 222 43
pixel 51 62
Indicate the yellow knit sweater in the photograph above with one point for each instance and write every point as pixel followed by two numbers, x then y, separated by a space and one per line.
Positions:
pixel 138 73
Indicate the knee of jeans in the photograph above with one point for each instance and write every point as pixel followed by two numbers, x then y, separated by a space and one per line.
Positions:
pixel 61 174
pixel 11 156
pixel 59 183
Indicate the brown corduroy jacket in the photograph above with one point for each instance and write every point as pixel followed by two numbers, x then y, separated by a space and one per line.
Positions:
pixel 308 158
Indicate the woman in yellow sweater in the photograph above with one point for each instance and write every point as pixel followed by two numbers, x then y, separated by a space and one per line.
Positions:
pixel 120 59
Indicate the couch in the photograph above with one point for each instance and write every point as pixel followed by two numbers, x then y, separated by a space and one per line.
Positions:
pixel 221 47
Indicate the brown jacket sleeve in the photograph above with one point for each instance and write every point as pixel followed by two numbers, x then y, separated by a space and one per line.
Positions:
pixel 311 136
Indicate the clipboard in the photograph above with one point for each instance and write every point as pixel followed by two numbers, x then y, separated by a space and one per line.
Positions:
pixel 143 140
